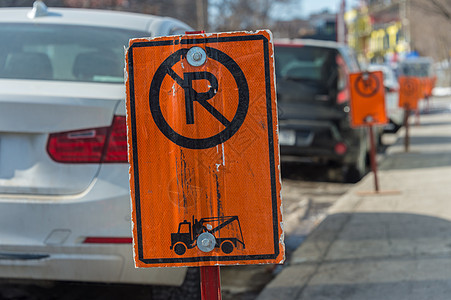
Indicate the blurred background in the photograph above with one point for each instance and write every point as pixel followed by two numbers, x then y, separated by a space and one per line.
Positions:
pixel 380 31
pixel 382 34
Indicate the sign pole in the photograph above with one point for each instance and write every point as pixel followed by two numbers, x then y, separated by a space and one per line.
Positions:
pixel 373 161
pixel 417 117
pixel 210 283
pixel 406 125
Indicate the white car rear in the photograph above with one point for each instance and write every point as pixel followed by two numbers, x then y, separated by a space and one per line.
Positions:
pixel 64 192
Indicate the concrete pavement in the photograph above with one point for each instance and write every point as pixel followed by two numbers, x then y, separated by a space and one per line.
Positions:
pixel 391 245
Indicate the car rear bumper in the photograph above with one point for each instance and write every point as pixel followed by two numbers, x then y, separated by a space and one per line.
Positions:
pixel 43 237
pixel 317 141
pixel 90 263
pixel 309 154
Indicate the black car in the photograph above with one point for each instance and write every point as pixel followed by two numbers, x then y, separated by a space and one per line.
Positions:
pixel 313 106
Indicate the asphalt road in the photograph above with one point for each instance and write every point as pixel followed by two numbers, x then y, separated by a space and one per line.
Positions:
pixel 307 194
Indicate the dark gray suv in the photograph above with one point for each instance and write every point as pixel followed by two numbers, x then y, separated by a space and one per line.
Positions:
pixel 313 102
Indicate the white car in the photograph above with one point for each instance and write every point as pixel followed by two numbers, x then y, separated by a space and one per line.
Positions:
pixel 64 182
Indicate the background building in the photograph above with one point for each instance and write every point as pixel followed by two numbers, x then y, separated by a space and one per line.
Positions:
pixel 381 30
pixel 386 31
pixel 376 31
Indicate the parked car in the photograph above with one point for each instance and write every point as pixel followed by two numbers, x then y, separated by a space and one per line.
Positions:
pixel 313 105
pixel 394 112
pixel 64 182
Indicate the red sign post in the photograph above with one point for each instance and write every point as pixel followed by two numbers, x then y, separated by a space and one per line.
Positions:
pixel 368 108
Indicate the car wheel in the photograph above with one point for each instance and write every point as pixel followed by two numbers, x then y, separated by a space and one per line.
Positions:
pixel 189 290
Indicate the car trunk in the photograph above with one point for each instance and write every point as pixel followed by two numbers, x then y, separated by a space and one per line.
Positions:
pixel 26 120
pixel 297 101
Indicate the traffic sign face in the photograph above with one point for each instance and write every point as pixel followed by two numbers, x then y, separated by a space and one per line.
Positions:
pixel 428 84
pixel 410 92
pixel 367 99
pixel 203 150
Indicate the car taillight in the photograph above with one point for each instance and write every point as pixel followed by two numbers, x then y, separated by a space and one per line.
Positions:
pixel 95 145
pixel 340 148
pixel 343 96
pixel 116 150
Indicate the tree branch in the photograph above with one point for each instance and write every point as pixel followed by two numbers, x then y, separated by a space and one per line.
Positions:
pixel 433 6
pixel 445 12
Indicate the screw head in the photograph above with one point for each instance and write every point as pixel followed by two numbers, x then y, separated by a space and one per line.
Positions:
pixel 196 56
pixel 365 76
pixel 206 242
pixel 369 119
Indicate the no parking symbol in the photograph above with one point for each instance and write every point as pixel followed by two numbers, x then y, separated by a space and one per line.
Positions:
pixel 410 92
pixel 367 84
pixel 192 97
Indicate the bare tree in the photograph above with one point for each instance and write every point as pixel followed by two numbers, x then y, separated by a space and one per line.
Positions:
pixel 208 15
pixel 242 14
pixel 430 25
pixel 437 7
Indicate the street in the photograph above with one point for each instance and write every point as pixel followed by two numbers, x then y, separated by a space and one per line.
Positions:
pixel 391 245
pixel 307 193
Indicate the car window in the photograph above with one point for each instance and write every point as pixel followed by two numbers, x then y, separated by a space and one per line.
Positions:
pixel 63 52
pixel 413 68
pixel 306 73
pixel 303 63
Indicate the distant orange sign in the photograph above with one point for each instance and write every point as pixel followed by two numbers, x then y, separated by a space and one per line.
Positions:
pixel 410 92
pixel 428 84
pixel 367 99
pixel 203 150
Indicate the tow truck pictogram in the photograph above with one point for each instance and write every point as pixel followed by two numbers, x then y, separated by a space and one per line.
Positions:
pixel 202 234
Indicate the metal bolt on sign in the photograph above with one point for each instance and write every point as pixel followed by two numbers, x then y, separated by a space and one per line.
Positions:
pixel 369 119
pixel 206 242
pixel 365 76
pixel 196 56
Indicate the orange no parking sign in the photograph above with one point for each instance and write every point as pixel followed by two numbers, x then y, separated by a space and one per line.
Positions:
pixel 410 92
pixel 203 150
pixel 367 99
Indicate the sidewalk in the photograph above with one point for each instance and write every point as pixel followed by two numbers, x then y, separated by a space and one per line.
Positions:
pixel 394 245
